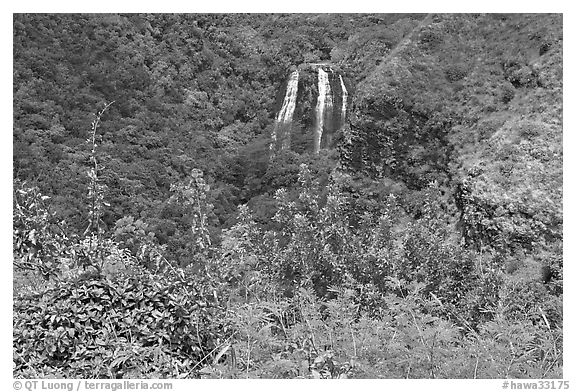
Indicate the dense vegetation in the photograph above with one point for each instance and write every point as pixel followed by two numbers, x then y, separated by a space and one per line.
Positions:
pixel 155 235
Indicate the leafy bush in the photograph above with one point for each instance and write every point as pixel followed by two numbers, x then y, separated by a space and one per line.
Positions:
pixel 455 72
pixel 38 237
pixel 507 93
pixel 133 325
pixel 520 75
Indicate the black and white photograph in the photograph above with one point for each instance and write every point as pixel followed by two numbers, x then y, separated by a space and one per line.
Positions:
pixel 287 196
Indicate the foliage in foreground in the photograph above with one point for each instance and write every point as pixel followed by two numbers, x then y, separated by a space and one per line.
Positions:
pixel 130 326
pixel 313 298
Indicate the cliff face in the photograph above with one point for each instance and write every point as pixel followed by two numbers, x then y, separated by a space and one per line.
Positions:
pixel 474 103
pixel 312 108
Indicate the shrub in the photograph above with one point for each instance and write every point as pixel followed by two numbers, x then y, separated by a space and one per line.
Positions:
pixel 455 72
pixel 38 238
pixel 135 324
pixel 430 37
pixel 519 74
pixel 507 92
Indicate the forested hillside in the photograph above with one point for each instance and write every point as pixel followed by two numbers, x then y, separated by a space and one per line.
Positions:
pixel 158 234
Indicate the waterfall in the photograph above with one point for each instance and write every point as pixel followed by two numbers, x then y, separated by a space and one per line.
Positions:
pixel 344 102
pixel 316 98
pixel 287 111
pixel 324 102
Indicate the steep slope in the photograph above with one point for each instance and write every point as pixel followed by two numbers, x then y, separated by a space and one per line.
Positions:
pixel 190 91
pixel 473 102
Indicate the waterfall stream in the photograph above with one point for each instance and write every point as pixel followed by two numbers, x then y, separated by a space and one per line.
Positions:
pixel 287 111
pixel 324 102
pixel 344 101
